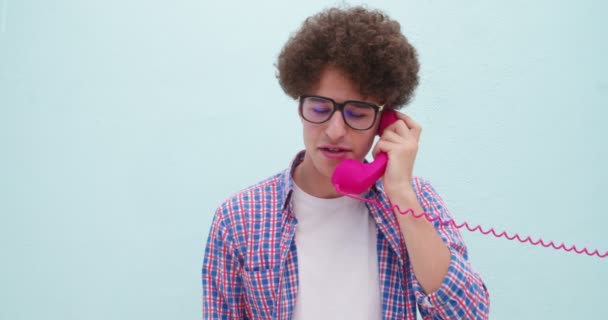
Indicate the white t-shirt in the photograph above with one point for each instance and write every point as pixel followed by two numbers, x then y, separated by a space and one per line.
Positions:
pixel 337 259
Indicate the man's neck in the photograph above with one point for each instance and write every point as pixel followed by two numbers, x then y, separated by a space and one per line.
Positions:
pixel 313 183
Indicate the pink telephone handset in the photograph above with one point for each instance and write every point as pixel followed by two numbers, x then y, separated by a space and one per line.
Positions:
pixel 354 177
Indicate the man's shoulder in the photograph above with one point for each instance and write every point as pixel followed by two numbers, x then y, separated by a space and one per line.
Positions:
pixel 419 183
pixel 259 195
pixel 423 188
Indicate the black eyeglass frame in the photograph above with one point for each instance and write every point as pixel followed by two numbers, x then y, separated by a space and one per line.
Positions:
pixel 339 106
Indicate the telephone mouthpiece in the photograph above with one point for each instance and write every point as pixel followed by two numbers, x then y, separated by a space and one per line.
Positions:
pixel 354 177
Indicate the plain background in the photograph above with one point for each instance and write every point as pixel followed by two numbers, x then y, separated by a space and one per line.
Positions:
pixel 124 124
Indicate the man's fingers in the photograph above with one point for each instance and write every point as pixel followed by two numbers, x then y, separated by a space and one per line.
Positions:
pixel 383 146
pixel 413 125
pixel 405 126
pixel 410 125
pixel 392 136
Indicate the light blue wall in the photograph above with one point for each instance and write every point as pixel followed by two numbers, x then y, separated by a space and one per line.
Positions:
pixel 123 124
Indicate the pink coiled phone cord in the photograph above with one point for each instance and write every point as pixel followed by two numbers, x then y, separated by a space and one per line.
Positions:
pixel 515 236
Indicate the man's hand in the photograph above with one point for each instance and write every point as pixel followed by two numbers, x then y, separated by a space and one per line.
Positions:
pixel 400 142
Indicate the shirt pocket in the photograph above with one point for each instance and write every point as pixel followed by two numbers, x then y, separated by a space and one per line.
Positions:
pixel 261 287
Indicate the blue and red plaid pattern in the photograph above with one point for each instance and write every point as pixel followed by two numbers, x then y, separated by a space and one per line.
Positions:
pixel 250 265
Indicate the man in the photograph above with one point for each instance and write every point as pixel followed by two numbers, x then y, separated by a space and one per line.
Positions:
pixel 291 247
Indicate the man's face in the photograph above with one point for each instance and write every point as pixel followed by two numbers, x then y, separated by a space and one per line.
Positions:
pixel 323 140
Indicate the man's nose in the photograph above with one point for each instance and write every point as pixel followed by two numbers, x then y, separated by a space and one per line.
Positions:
pixel 336 128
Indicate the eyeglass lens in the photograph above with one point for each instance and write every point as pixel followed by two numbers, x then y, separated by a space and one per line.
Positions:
pixel 357 115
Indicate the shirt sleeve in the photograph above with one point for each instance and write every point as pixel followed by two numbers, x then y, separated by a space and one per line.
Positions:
pixel 462 294
pixel 222 283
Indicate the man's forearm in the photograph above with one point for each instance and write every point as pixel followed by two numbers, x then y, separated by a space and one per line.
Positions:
pixel 429 255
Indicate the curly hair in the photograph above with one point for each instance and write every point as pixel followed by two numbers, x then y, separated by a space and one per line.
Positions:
pixel 364 44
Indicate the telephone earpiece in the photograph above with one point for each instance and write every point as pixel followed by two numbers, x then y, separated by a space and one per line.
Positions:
pixel 354 177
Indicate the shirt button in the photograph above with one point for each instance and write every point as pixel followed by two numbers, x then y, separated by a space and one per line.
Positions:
pixel 378 220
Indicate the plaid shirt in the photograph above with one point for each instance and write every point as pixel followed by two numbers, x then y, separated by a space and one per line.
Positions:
pixel 250 266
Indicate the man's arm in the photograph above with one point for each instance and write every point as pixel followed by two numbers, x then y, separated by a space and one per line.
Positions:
pixel 429 254
pixel 222 284
pixel 445 284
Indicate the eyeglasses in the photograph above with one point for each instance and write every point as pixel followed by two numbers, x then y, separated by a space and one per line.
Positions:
pixel 358 115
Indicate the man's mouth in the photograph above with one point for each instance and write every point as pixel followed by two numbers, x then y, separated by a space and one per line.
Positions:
pixel 334 150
